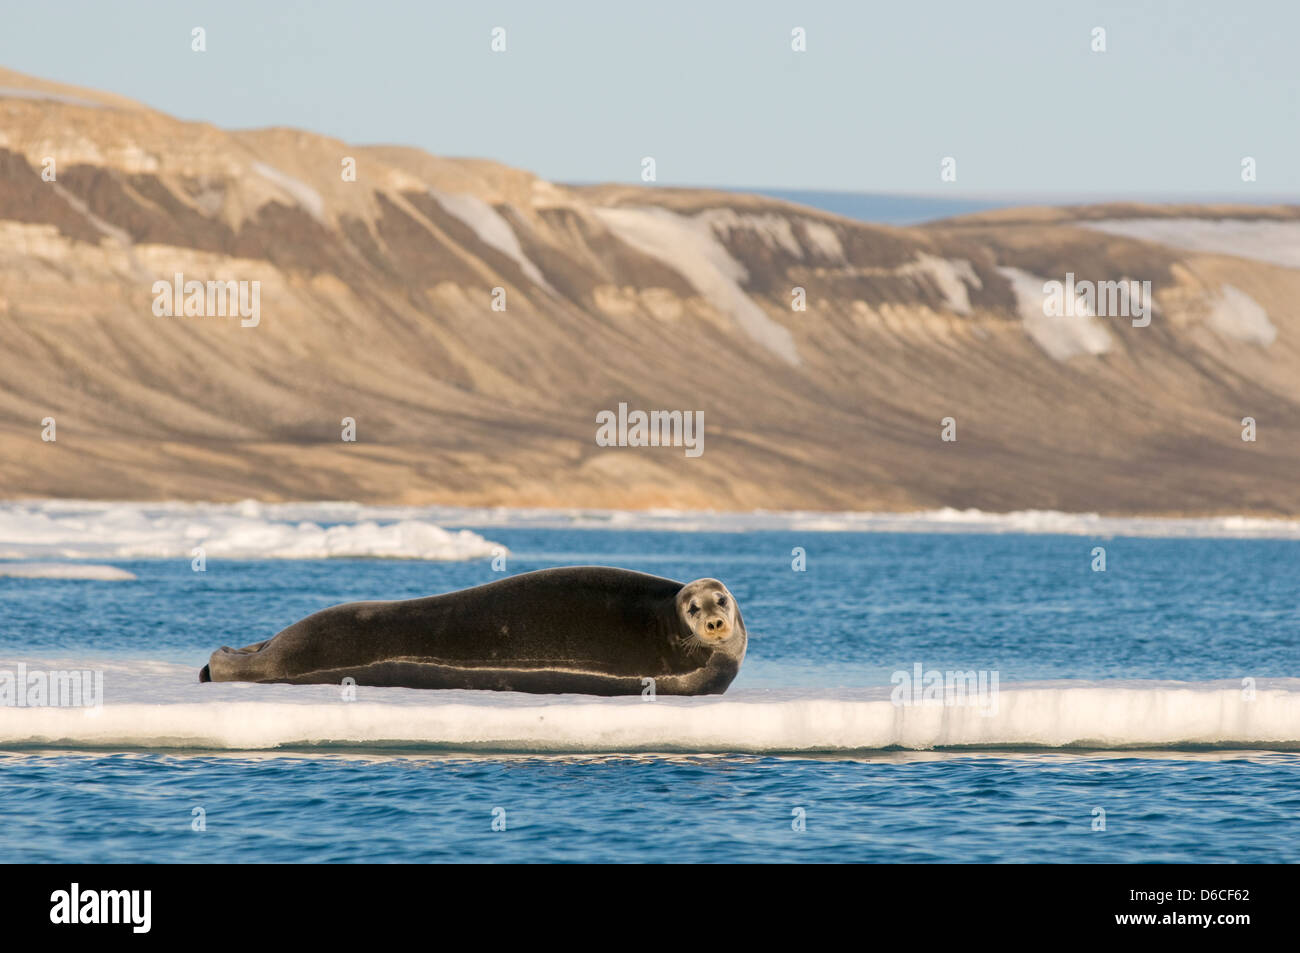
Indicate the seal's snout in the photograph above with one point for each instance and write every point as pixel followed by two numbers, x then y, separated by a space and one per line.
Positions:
pixel 717 629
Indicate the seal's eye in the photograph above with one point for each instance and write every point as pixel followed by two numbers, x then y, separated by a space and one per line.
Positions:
pixel 694 609
pixel 722 602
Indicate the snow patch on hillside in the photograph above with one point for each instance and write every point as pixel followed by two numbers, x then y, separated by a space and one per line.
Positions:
pixel 1238 316
pixel 302 193
pixel 1277 243
pixel 1062 337
pixel 952 276
pixel 492 230
pixel 690 247
pixel 777 231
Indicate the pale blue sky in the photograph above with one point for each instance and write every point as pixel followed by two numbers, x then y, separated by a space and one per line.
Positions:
pixel 715 94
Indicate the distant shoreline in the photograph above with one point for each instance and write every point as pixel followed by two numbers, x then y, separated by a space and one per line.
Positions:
pixel 904 209
pixel 91 529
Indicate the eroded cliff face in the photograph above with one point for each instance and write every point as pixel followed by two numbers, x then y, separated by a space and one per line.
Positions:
pixel 376 303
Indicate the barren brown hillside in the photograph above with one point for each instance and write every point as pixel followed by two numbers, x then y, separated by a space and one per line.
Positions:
pixel 376 304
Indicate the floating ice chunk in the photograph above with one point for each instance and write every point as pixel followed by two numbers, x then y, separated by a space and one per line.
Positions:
pixel 64 571
pixel 242 530
pixel 154 704
pixel 44 528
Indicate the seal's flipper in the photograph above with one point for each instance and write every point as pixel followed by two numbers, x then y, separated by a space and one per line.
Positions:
pixel 204 674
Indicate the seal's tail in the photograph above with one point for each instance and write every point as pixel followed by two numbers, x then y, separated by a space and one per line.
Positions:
pixel 205 674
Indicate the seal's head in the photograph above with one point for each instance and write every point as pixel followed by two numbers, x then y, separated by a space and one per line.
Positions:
pixel 709 615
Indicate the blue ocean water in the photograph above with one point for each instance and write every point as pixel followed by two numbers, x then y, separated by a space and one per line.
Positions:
pixel 138 807
pixel 1029 607
pixel 885 208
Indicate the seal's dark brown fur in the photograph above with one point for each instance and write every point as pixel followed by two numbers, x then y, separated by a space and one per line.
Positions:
pixel 591 630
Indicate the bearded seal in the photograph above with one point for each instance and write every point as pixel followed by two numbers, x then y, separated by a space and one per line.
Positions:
pixel 590 630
